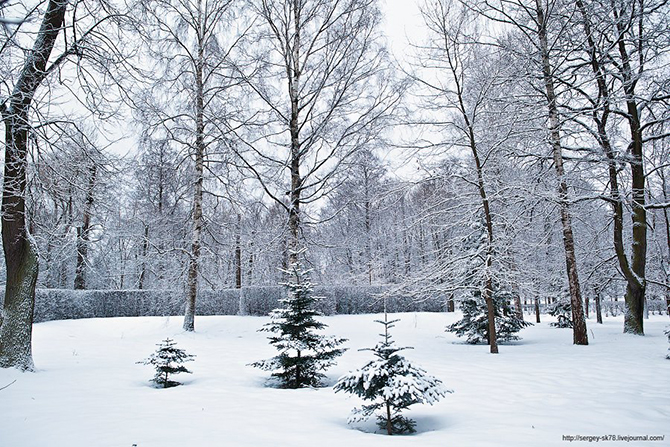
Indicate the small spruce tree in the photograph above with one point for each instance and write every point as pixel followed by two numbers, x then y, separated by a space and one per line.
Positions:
pixel 562 310
pixel 474 324
pixel 303 354
pixel 168 361
pixel 392 384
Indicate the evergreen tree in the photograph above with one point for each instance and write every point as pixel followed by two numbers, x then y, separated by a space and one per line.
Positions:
pixel 303 354
pixel 392 384
pixel 563 312
pixel 474 324
pixel 168 361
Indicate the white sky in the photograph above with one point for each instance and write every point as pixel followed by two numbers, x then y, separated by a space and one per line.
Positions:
pixel 402 21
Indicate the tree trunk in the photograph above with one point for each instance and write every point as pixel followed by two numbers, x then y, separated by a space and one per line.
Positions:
pixel 450 303
pixel 634 271
pixel 636 284
pixel 599 313
pixel 145 250
pixel 194 258
pixel 518 306
pixel 488 217
pixel 406 252
pixel 250 264
pixel 537 310
pixel 368 226
pixel 298 377
pixel 238 254
pixel 490 308
pixel 488 286
pixel 580 335
pixel 389 425
pixel 20 254
pixel 83 232
pixel 666 218
pixel 586 306
pixel 294 71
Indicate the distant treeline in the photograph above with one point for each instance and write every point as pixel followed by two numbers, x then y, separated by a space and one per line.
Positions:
pixel 64 304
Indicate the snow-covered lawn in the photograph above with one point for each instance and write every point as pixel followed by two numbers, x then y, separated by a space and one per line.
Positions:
pixel 89 392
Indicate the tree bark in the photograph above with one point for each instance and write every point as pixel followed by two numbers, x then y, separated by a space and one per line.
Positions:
pixel 145 250
pixel 250 264
pixel 488 286
pixel 83 232
pixel 537 310
pixel 389 425
pixel 294 72
pixel 368 225
pixel 238 254
pixel 666 218
pixel 450 303
pixel 586 306
pixel 635 283
pixel 580 335
pixel 518 306
pixel 20 253
pixel 634 270
pixel 199 149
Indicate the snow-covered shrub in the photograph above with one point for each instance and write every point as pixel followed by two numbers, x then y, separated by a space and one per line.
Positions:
pixel 218 302
pixel 391 383
pixel 475 326
pixel 562 310
pixel 167 360
pixel 303 354
pixel 368 299
pixel 259 300
pixel 667 332
pixel 64 304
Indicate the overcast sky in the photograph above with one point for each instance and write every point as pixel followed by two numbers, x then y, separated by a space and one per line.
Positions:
pixel 402 21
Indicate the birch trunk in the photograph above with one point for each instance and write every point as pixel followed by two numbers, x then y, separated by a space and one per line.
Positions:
pixel 199 152
pixel 294 72
pixel 580 336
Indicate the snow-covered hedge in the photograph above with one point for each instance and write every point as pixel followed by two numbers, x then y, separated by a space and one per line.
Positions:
pixel 59 304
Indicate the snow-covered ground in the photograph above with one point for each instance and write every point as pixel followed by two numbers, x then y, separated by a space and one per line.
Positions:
pixel 89 392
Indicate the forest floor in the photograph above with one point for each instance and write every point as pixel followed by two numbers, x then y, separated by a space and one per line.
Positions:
pixel 88 390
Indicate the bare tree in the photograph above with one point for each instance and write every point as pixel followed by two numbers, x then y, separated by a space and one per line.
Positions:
pixel 191 46
pixel 67 175
pixel 20 254
pixel 323 92
pixel 18 109
pixel 540 24
pixel 621 43
pixel 448 62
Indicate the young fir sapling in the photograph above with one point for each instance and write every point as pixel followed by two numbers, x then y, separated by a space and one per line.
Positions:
pixel 474 324
pixel 562 310
pixel 303 354
pixel 168 361
pixel 392 384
